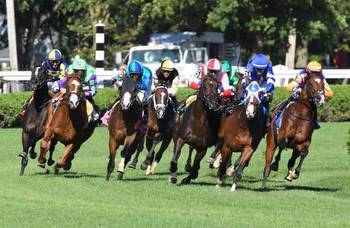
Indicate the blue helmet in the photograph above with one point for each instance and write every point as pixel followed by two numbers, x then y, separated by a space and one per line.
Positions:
pixel 135 67
pixel 260 62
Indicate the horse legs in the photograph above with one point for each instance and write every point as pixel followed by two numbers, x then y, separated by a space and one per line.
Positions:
pixel 225 157
pixel 303 154
pixel 179 142
pixel 189 159
pixel 270 150
pixel 163 147
pixel 150 156
pixel 243 161
pixel 68 164
pixel 274 165
pixel 291 163
pixel 24 154
pixel 149 145
pixel 215 157
pixel 196 166
pixel 45 144
pixel 125 155
pixel 50 162
pixel 66 154
pixel 136 157
pixel 113 146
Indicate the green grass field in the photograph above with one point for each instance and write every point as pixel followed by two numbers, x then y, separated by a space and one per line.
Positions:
pixel 82 197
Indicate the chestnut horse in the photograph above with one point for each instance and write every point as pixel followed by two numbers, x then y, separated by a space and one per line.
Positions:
pixel 160 126
pixel 198 127
pixel 242 131
pixel 124 126
pixel 35 117
pixel 296 128
pixel 69 124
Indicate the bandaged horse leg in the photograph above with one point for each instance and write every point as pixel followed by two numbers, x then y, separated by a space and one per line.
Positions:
pixel 189 159
pixel 163 147
pixel 245 158
pixel 173 163
pixel 150 156
pixel 113 146
pixel 291 163
pixel 196 166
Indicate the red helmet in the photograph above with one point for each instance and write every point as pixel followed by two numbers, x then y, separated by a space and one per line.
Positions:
pixel 214 64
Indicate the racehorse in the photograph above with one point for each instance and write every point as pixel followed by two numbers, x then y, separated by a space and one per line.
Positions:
pixel 242 131
pixel 124 126
pixel 198 127
pixel 36 115
pixel 69 124
pixel 296 128
pixel 160 126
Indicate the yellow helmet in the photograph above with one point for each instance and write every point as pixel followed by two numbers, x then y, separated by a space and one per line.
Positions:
pixel 314 66
pixel 167 65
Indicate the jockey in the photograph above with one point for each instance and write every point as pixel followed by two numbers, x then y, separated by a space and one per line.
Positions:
pixel 168 74
pixel 56 70
pixel 260 70
pixel 214 68
pixel 231 73
pixel 89 82
pixel 144 83
pixel 313 68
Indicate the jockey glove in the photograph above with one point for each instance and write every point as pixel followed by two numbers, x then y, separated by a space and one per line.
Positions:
pixel 269 87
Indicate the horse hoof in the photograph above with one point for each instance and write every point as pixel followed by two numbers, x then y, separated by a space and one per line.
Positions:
pixel 173 180
pixel 33 155
pixel 148 171
pixel 186 181
pixel 50 162
pixel 41 165
pixel 288 178
pixel 67 166
pixel 211 160
pixel 144 166
pixel 230 171
pixel 274 167
pixel 132 165
pixel 233 188
pixel 188 168
pixel 120 176
pixel 294 175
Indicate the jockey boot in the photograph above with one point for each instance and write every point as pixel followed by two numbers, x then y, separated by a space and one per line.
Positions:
pixel 94 116
pixel 315 124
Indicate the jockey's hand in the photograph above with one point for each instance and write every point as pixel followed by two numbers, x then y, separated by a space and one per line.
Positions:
pixel 86 93
pixel 49 72
pixel 113 80
pixel 63 90
pixel 86 88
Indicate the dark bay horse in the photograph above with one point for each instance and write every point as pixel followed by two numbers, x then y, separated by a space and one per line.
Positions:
pixel 124 126
pixel 69 124
pixel 198 127
pixel 242 131
pixel 36 115
pixel 296 128
pixel 160 126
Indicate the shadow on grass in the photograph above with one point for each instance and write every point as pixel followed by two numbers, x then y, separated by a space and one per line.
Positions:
pixel 69 174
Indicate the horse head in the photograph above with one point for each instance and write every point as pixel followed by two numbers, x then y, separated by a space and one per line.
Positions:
pixel 314 89
pixel 74 90
pixel 252 99
pixel 39 78
pixel 208 92
pixel 160 99
pixel 128 92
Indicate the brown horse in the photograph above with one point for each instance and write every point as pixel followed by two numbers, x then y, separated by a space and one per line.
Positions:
pixel 160 126
pixel 124 126
pixel 198 127
pixel 69 124
pixel 296 128
pixel 242 131
pixel 36 115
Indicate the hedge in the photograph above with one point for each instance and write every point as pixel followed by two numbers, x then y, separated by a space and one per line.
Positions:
pixel 335 109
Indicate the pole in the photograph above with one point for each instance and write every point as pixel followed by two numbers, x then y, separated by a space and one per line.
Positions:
pixel 11 31
pixel 100 41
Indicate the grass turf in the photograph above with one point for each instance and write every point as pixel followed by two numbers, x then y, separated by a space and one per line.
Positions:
pixel 82 197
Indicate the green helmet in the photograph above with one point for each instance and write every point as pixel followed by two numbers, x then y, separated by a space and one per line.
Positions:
pixel 226 66
pixel 79 64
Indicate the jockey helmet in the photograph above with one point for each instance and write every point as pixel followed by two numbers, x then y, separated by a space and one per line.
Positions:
pixel 79 64
pixel 226 66
pixel 167 65
pixel 314 66
pixel 135 67
pixel 54 55
pixel 260 63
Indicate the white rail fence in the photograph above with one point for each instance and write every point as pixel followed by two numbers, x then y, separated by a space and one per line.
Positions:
pixel 283 76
